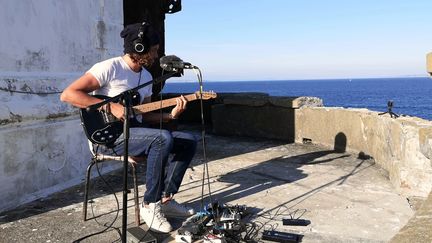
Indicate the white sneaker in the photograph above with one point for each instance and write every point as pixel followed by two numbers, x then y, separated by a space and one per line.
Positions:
pixel 154 218
pixel 175 209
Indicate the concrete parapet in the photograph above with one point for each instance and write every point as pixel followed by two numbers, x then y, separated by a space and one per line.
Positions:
pixel 401 146
pixel 258 115
pixel 262 122
pixel 418 229
pixel 262 99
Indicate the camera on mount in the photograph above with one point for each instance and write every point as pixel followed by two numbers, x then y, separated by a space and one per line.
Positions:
pixel 390 104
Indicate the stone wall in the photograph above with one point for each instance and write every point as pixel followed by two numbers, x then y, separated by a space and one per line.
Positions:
pixel 258 115
pixel 45 46
pixel 58 36
pixel 402 146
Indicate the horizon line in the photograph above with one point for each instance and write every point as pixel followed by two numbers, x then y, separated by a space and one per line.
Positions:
pixel 304 79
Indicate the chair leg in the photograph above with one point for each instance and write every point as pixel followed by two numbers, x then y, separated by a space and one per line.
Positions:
pixel 86 190
pixel 137 209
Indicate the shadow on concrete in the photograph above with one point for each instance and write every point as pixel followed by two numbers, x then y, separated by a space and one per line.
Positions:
pixel 293 202
pixel 265 175
pixel 272 173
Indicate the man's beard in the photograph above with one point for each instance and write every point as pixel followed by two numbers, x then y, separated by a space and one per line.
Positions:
pixel 142 60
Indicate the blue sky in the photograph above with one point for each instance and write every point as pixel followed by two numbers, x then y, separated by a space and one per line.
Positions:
pixel 309 39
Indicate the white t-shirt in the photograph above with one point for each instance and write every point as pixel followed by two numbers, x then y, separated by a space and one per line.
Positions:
pixel 115 76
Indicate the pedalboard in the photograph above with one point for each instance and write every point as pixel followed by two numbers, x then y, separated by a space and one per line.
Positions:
pixel 139 235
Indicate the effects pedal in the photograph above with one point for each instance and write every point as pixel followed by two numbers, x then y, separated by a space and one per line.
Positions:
pixel 139 235
pixel 284 237
pixel 296 222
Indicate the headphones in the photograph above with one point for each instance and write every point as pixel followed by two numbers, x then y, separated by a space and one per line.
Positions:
pixel 139 44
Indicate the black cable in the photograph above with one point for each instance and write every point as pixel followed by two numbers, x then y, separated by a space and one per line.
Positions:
pixel 29 92
pixel 269 217
pixel 205 169
pixel 117 212
pixel 117 203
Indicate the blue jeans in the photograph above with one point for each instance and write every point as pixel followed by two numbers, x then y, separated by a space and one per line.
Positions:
pixel 163 177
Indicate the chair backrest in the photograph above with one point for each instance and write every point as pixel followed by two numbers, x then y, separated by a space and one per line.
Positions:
pixel 91 148
pixel 100 156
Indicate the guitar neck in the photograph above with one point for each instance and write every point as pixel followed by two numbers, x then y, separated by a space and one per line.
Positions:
pixel 157 105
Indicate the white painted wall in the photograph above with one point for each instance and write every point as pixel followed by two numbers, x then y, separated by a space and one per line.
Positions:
pixel 58 35
pixel 45 45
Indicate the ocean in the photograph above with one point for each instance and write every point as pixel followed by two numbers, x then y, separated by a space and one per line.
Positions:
pixel 410 96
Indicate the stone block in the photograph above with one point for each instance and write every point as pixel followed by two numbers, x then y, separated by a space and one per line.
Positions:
pixel 263 122
pixel 295 102
pixel 400 146
pixel 248 99
pixel 418 229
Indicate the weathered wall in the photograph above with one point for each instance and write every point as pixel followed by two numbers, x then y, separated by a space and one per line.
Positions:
pixel 46 45
pixel 257 115
pixel 401 146
pixel 35 160
pixel 58 36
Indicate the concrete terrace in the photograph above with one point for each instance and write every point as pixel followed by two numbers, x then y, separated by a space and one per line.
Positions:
pixel 347 197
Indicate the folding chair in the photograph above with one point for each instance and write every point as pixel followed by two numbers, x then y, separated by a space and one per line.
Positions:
pixel 100 158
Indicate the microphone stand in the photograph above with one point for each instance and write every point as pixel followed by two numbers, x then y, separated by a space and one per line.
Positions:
pixel 126 97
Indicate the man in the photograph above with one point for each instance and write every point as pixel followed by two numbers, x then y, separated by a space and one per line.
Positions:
pixel 115 75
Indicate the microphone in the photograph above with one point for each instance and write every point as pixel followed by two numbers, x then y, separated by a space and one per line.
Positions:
pixel 174 63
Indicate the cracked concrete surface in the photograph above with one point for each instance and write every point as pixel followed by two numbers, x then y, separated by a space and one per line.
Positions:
pixel 347 198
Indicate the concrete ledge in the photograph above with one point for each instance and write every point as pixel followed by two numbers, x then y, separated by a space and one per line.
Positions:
pixel 262 122
pixel 247 99
pixel 261 99
pixel 258 115
pixel 401 146
pixel 418 229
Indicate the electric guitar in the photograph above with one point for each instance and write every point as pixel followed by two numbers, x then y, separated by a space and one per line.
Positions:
pixel 101 127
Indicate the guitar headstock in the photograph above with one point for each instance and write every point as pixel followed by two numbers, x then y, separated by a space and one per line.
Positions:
pixel 206 95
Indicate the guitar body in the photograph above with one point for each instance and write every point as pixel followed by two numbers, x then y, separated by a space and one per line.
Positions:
pixel 99 126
